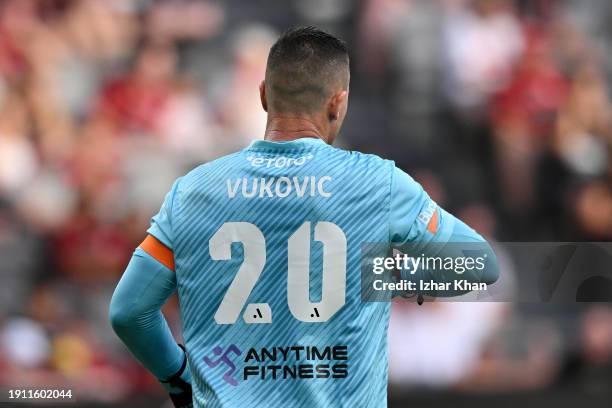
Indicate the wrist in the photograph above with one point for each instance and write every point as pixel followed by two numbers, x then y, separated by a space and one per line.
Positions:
pixel 181 380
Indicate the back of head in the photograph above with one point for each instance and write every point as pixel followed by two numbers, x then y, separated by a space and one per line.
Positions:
pixel 305 67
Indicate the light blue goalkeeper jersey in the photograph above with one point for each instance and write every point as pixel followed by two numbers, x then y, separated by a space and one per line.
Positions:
pixel 267 247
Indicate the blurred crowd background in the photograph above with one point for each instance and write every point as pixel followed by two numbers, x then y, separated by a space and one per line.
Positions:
pixel 500 108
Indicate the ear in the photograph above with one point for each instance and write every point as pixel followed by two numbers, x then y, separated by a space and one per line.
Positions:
pixel 262 95
pixel 337 105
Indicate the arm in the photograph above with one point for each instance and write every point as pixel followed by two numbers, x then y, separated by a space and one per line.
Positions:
pixel 135 309
pixel 419 226
pixel 135 314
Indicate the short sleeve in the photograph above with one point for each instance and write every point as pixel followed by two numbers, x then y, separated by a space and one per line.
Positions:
pixel 161 223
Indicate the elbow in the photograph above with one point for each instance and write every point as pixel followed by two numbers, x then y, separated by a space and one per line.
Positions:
pixel 119 315
pixel 491 272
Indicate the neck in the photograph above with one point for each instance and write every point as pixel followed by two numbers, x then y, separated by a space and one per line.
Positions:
pixel 287 128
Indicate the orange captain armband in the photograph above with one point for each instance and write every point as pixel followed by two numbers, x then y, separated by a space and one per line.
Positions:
pixel 432 226
pixel 158 251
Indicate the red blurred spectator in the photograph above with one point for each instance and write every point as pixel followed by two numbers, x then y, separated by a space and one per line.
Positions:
pixel 136 101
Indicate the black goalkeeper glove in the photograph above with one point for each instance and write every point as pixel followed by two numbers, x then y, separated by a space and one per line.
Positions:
pixel 179 385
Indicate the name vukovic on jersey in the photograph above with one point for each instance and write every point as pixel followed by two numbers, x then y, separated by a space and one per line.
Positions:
pixel 296 186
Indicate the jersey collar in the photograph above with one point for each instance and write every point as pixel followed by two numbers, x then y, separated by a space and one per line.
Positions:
pixel 300 143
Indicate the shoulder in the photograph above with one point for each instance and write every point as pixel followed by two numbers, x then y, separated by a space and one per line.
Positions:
pixel 201 171
pixel 364 158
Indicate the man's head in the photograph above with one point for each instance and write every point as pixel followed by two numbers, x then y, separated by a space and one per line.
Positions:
pixel 307 76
